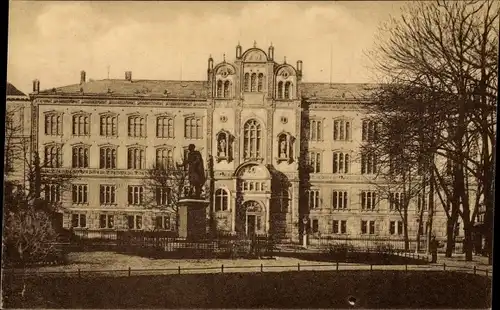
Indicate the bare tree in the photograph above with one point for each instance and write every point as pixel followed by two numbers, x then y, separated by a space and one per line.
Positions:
pixel 449 48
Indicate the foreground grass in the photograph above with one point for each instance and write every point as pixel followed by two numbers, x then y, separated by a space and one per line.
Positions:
pixel 372 289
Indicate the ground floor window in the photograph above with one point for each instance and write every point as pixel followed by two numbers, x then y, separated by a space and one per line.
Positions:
pixel 163 222
pixel 339 227
pixel 78 220
pixel 315 226
pixel 368 227
pixel 106 221
pixel 134 221
pixel 396 227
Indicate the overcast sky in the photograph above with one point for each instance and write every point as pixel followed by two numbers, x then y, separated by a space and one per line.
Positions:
pixel 54 41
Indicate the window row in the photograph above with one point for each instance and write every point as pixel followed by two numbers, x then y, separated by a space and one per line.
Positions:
pixel 132 222
pixel 193 128
pixel 342 130
pixel 254 82
pixel 367 227
pixel 136 158
pixel 369 200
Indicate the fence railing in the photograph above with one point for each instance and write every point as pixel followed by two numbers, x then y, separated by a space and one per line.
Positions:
pixel 253 268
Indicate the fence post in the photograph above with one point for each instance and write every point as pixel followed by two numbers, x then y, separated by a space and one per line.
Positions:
pixel 371 267
pixel 222 268
pixel 444 266
pixel 179 269
pixel 486 272
pixel 337 265
pixel 474 269
pixel 79 273
pixel 261 268
pixel 406 267
pixel 129 271
pixel 298 266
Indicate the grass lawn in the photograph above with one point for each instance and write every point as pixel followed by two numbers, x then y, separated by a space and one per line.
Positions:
pixel 305 289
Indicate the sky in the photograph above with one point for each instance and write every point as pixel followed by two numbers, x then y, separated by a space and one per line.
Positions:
pixel 54 41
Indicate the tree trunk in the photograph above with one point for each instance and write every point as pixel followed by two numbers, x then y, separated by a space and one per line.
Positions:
pixel 450 240
pixel 405 228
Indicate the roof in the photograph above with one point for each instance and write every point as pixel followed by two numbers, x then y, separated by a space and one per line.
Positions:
pixel 337 90
pixel 200 89
pixel 150 88
pixel 13 91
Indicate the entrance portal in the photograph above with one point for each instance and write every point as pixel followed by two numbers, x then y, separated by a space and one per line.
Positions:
pixel 250 218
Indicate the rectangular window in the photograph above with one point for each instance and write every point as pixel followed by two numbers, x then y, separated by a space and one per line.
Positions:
pixel 165 127
pixel 107 158
pixel 368 164
pixel 163 222
pixel 163 196
pixel 364 227
pixel 134 221
pixel 80 157
pixel 80 193
pixel 372 227
pixel 341 162
pixel 78 220
pixel 107 194
pixel 339 200
pixel 315 226
pixel 368 200
pixel 400 227
pixel 136 126
pixel 315 130
pixel 369 131
pixel 336 227
pixel 136 158
pixel 106 221
pixel 53 156
pixel 135 195
pixel 313 199
pixel 343 227
pixel 315 161
pixel 392 228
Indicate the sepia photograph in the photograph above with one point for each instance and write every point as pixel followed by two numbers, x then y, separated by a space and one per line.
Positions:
pixel 250 154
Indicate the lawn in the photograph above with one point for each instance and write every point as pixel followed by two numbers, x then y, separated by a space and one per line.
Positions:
pixel 305 289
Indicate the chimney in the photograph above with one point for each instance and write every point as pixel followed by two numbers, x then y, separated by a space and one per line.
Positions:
pixel 82 77
pixel 128 76
pixel 36 86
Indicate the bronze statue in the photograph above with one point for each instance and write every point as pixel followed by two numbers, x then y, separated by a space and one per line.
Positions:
pixel 196 171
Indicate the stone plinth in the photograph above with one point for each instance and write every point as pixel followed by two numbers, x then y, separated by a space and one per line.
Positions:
pixel 192 218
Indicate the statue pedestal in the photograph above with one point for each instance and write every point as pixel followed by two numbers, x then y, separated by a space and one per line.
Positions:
pixel 192 218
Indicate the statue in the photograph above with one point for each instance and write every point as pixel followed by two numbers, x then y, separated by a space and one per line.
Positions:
pixel 222 147
pixel 283 149
pixel 196 172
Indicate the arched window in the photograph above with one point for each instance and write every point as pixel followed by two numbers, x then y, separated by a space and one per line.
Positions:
pixel 287 90
pixel 280 90
pixel 260 82
pixel 252 138
pixel 108 125
pixel 164 158
pixel 193 128
pixel 107 158
pixel 53 156
pixel 219 88
pixel 136 158
pixel 81 125
pixel 136 126
pixel 341 130
pixel 247 81
pixel 80 155
pixel 253 82
pixel 340 162
pixel 165 127
pixel 221 200
pixel 227 89
pixel 53 124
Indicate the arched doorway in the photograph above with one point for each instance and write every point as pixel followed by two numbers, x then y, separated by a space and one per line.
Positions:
pixel 253 193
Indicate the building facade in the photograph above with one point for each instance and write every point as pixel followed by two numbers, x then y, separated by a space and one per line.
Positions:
pixel 282 150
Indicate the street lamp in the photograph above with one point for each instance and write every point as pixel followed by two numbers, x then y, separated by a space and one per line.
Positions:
pixel 305 221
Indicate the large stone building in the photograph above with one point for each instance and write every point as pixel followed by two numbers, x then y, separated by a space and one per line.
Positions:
pixel 254 117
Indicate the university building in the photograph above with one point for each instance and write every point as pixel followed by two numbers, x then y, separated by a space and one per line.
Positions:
pixel 282 150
